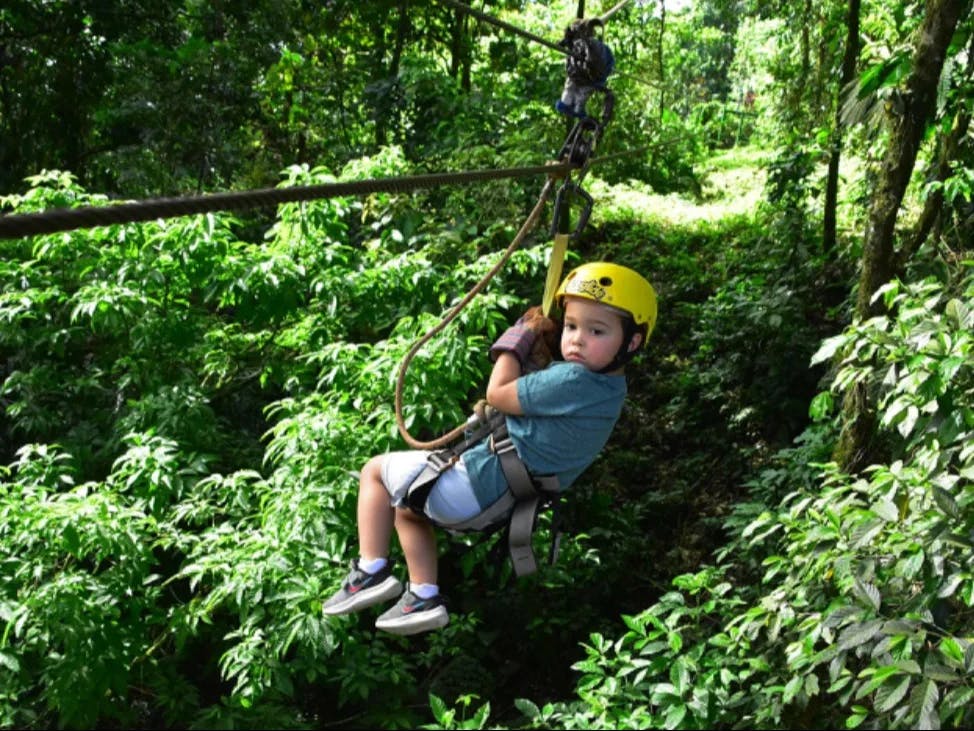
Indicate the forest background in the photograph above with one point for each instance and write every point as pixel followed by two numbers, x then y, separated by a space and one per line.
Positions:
pixel 779 533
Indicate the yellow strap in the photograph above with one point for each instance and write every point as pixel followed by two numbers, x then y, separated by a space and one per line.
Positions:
pixel 558 248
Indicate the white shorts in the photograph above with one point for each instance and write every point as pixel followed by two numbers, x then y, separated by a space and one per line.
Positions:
pixel 451 500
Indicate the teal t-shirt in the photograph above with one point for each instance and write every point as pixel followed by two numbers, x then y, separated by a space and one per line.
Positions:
pixel 569 414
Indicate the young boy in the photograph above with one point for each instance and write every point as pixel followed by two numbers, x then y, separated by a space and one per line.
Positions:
pixel 559 419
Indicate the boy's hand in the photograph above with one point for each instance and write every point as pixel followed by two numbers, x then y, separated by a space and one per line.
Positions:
pixel 531 339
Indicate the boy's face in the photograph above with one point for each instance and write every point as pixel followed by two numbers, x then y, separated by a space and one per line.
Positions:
pixel 592 333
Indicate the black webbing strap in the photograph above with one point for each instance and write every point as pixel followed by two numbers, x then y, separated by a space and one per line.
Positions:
pixel 527 493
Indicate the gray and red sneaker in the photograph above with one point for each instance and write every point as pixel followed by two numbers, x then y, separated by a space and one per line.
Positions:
pixel 413 614
pixel 362 589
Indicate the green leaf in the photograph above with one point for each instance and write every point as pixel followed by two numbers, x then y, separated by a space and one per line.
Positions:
pixel 828 348
pixel 923 704
pixel 674 716
pixel 886 510
pixel 891 692
pixel 958 312
pixel 886 72
pixel 945 501
pixel 950 585
pixel 9 661
pixel 528 708
pixel 905 427
pixel 675 641
pixel 868 594
pixel 792 688
pixel 936 671
pixel 439 708
pixel 859 714
pixel 680 675
pixel 859 634
pixel 952 650
pixel 864 532
pixel 821 406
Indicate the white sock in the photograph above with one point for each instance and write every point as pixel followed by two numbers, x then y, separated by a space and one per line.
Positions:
pixel 371 565
pixel 424 591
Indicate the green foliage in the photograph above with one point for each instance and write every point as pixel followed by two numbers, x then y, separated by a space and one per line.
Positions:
pixel 839 601
pixel 152 102
pixel 105 329
pixel 82 605
pixel 184 403
pixel 159 527
pixel 447 718
pixel 750 334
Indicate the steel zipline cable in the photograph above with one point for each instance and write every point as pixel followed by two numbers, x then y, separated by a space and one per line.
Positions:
pixel 480 15
pixel 66 219
pixel 609 13
pixel 463 7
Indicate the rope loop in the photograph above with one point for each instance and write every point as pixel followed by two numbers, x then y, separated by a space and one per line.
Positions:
pixel 457 432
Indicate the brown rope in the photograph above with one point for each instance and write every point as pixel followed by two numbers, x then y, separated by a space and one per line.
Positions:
pixel 518 239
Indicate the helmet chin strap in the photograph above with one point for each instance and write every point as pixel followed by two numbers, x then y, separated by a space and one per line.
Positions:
pixel 629 330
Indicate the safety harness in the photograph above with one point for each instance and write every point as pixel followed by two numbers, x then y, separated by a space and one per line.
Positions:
pixel 525 496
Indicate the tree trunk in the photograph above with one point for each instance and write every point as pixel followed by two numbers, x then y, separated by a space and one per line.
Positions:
pixel 379 44
pixel 662 65
pixel 456 44
pixel 402 31
pixel 829 235
pixel 908 115
pixel 933 206
pixel 949 149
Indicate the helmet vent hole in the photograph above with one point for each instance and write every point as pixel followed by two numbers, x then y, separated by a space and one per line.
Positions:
pixel 606 281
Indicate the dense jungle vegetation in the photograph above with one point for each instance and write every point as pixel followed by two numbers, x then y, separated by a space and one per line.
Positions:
pixel 779 533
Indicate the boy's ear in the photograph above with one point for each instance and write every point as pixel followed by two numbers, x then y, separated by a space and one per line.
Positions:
pixel 636 341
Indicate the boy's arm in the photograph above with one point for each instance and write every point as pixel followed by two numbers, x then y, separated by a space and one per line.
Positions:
pixel 502 386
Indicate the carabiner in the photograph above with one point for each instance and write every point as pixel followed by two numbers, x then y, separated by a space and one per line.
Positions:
pixel 563 197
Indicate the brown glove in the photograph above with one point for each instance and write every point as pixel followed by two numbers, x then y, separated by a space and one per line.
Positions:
pixel 533 339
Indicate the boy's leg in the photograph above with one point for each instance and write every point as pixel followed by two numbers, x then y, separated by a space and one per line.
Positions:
pixel 418 542
pixel 414 613
pixel 362 589
pixel 375 514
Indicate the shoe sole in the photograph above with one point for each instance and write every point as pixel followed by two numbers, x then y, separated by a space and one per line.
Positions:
pixel 411 624
pixel 388 589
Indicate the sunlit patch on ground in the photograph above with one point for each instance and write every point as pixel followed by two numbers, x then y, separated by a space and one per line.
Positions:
pixel 732 185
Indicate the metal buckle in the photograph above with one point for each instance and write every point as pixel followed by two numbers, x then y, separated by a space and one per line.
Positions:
pixel 441 462
pixel 502 446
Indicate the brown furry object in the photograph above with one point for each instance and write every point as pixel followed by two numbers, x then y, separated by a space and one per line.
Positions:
pixel 547 345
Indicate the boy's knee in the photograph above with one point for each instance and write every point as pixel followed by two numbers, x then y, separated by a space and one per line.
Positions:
pixel 373 469
pixel 409 516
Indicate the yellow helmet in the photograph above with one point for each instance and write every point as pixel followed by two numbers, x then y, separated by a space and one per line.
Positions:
pixel 613 285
